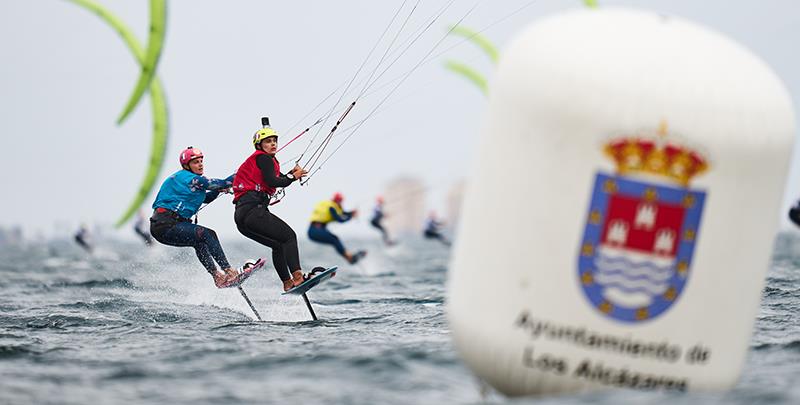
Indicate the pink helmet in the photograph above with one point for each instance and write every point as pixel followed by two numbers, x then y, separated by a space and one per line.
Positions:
pixel 188 154
pixel 338 198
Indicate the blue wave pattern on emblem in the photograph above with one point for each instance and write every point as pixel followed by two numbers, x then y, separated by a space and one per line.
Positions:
pixel 608 264
pixel 620 276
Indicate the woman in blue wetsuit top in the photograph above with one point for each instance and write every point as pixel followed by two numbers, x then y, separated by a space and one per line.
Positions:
pixel 179 198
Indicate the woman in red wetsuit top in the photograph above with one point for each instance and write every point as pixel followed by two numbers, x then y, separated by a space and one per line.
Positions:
pixel 255 182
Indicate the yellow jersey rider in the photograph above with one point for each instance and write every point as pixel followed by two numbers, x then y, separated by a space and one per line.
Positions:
pixel 326 212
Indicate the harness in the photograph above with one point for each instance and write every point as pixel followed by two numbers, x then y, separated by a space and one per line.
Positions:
pixel 161 215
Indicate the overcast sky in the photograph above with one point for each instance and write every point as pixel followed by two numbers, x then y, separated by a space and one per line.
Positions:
pixel 66 75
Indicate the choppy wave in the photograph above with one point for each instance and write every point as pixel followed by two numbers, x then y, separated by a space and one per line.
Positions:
pixel 11 351
pixel 99 283
pixel 90 329
pixel 793 346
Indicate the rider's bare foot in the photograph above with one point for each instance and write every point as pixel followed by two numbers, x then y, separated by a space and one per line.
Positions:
pixel 223 279
pixel 297 277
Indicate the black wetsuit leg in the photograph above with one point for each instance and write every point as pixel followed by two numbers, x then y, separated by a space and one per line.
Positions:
pixel 257 223
pixel 79 240
pixel 377 224
pixel 436 235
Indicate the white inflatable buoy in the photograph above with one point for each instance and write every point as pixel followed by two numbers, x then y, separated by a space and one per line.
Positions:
pixel 619 225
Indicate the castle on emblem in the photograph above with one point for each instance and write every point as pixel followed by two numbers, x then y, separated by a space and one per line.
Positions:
pixel 642 224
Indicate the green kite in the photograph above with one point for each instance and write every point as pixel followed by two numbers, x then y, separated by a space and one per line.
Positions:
pixel 159 106
pixel 155 42
pixel 484 44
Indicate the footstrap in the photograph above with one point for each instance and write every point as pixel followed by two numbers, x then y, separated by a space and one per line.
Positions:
pixel 314 272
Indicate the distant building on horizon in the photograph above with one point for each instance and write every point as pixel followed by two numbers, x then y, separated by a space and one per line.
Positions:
pixel 404 205
pixel 12 236
pixel 454 198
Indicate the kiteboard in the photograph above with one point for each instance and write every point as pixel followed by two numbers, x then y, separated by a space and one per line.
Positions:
pixel 317 278
pixel 246 271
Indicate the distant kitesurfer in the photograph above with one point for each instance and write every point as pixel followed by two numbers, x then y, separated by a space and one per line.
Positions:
pixel 433 229
pixel 141 230
pixel 794 213
pixel 82 238
pixel 255 183
pixel 326 212
pixel 377 218
pixel 179 198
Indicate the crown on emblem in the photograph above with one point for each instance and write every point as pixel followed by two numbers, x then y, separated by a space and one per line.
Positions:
pixel 656 155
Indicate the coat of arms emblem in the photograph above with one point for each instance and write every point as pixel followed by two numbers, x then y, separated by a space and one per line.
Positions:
pixel 642 227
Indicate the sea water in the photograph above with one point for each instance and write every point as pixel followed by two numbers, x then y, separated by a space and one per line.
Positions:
pixel 130 324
